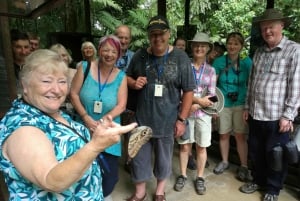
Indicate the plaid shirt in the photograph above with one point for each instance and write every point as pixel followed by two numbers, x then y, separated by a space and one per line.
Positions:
pixel 274 82
pixel 206 84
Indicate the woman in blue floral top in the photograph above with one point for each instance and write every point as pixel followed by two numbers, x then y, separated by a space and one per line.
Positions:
pixel 45 155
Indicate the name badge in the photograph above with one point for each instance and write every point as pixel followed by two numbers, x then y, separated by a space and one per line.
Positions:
pixel 98 107
pixel 158 92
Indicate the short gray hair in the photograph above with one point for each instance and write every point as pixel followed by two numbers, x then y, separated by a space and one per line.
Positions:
pixel 60 48
pixel 45 61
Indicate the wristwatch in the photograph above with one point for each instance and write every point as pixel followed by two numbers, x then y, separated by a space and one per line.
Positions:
pixel 181 119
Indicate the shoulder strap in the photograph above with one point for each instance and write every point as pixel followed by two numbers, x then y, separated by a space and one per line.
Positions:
pixel 86 72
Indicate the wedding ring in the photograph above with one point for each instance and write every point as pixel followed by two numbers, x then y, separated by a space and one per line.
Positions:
pixel 101 121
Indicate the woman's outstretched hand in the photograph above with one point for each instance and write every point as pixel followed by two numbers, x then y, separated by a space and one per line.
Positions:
pixel 108 133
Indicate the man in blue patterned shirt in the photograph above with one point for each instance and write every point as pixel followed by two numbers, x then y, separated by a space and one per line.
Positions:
pixel 272 102
pixel 123 32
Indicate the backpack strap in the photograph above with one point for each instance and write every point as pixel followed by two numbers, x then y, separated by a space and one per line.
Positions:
pixel 86 72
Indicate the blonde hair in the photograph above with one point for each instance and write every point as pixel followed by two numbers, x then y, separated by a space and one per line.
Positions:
pixel 59 48
pixel 89 44
pixel 44 61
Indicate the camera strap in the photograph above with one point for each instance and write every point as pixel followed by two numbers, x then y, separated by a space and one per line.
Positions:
pixel 236 71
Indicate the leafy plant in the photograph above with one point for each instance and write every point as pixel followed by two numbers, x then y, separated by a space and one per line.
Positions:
pixel 216 17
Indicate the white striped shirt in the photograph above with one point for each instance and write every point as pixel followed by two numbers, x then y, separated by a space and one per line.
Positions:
pixel 274 82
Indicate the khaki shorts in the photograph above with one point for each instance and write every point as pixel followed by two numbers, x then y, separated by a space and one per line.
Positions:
pixel 200 131
pixel 231 119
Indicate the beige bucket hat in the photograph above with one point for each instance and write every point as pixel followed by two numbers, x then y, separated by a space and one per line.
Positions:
pixel 218 106
pixel 202 38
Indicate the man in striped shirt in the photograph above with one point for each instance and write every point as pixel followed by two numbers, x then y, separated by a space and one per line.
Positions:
pixel 272 103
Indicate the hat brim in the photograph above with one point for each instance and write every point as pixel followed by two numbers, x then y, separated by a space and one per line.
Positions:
pixel 211 45
pixel 218 106
pixel 158 27
pixel 286 21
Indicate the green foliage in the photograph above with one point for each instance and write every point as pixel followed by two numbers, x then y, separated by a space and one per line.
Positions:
pixel 233 16
pixel 107 4
pixel 137 20
pixel 104 25
pixel 200 6
pixel 128 4
pixel 216 17
pixel 106 19
pixel 175 15
pixel 291 8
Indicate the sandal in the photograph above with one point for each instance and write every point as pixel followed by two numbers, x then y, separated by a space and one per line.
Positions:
pixel 160 198
pixel 134 198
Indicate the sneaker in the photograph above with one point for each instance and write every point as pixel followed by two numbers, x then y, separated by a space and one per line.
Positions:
pixel 243 174
pixel 180 182
pixel 199 186
pixel 249 187
pixel 270 197
pixel 221 167
pixel 191 163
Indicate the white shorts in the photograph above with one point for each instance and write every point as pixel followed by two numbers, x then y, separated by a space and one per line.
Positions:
pixel 200 131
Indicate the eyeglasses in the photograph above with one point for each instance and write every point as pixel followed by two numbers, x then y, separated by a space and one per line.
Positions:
pixel 157 34
pixel 199 45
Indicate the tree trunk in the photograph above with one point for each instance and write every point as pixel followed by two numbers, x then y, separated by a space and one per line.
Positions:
pixel 162 8
pixel 270 4
pixel 87 12
pixel 186 17
pixel 71 17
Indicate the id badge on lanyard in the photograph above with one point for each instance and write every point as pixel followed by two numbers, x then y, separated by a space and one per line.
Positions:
pixel 158 90
pixel 98 107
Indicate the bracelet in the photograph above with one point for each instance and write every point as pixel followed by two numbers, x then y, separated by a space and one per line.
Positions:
pixel 181 120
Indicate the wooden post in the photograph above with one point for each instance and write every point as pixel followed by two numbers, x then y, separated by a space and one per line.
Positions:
pixel 162 8
pixel 8 89
pixel 270 4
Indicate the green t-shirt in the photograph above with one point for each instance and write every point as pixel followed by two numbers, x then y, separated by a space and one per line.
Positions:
pixel 233 80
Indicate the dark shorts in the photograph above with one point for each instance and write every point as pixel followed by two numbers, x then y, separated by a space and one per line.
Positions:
pixel 142 162
pixel 109 173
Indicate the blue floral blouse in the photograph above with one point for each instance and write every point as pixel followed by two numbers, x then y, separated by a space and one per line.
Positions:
pixel 65 143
